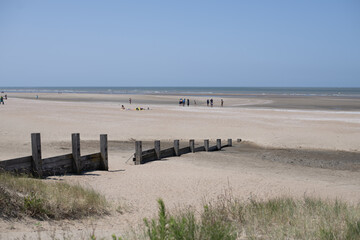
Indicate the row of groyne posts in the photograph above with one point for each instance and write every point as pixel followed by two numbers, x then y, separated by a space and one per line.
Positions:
pixel 58 165
pixel 75 163
pixel 141 157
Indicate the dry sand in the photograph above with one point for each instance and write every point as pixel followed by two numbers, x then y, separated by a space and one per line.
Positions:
pixel 289 150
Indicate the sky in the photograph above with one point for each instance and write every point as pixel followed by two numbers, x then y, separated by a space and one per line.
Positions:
pixel 309 43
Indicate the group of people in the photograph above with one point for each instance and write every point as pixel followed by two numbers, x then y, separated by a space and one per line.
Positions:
pixel 209 102
pixel 184 101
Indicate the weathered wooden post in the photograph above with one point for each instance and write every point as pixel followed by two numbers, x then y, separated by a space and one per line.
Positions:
pixel 176 147
pixel 192 145
pixel 229 142
pixel 138 152
pixel 218 144
pixel 206 145
pixel 104 165
pixel 36 154
pixel 75 139
pixel 157 149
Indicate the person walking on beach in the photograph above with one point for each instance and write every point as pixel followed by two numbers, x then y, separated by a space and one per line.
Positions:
pixel 188 102
pixel 222 102
pixel 184 102
pixel 1 100
pixel 211 102
pixel 130 100
pixel 207 102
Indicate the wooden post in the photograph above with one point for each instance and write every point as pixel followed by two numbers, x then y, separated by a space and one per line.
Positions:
pixel 206 145
pixel 75 139
pixel 176 147
pixel 138 152
pixel 157 149
pixel 36 154
pixel 218 144
pixel 104 165
pixel 229 142
pixel 192 145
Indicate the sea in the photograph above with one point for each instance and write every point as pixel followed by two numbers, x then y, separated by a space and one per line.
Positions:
pixel 194 91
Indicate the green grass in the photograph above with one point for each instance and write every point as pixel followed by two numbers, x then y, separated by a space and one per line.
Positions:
pixel 43 199
pixel 186 226
pixel 278 218
pixel 226 218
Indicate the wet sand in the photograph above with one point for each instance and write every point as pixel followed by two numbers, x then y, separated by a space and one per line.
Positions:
pixel 295 102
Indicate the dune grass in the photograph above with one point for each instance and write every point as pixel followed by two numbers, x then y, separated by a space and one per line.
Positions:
pixel 21 195
pixel 226 218
pixel 279 218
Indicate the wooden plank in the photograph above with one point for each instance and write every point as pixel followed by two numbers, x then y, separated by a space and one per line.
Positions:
pixel 90 162
pixel 200 149
pixel 36 154
pixel 104 152
pixel 20 167
pixel 184 150
pixel 75 139
pixel 59 170
pixel 94 157
pixel 149 155
pixel 66 160
pixel 151 151
pixel 213 148
pixel 149 158
pixel 157 149
pixel 56 159
pixel 15 161
pixel 169 152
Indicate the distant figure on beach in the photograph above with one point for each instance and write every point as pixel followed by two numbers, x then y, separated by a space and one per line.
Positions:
pixel 207 102
pixel 184 100
pixel 130 100
pixel 194 102
pixel 5 96
pixel 211 102
pixel 188 102
pixel 122 107
pixel 222 102
pixel 1 100
pixel 37 96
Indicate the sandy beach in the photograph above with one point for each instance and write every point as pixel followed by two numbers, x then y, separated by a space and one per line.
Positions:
pixel 292 146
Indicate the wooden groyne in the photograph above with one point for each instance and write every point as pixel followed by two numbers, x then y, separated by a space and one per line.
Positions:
pixel 75 163
pixel 58 165
pixel 141 157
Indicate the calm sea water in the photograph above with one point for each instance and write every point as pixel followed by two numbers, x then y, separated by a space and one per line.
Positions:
pixel 350 92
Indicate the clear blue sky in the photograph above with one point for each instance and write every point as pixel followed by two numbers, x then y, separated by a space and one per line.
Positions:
pixel 180 43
